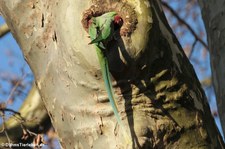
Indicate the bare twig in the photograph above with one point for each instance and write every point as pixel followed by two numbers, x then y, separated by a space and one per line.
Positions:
pixel 7 136
pixel 4 129
pixel 4 29
pixel 192 48
pixel 10 110
pixel 185 24
pixel 13 124
pixel 27 130
pixel 14 88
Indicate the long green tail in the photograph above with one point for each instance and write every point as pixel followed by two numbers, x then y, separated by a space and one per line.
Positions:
pixel 108 85
pixel 106 77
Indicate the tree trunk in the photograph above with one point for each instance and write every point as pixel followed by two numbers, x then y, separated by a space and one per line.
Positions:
pixel 160 99
pixel 214 19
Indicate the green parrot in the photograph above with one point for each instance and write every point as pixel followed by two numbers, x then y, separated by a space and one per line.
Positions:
pixel 101 31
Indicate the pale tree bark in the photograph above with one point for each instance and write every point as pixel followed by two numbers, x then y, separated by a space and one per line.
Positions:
pixel 160 99
pixel 213 14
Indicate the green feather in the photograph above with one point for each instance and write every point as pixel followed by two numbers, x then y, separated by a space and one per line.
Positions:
pixel 101 30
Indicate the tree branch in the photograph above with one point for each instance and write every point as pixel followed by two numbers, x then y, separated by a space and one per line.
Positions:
pixel 185 24
pixel 32 115
pixel 4 30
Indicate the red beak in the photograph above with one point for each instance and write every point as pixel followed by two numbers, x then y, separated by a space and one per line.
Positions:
pixel 89 22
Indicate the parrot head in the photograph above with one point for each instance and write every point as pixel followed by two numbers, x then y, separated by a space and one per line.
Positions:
pixel 118 20
pixel 103 27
